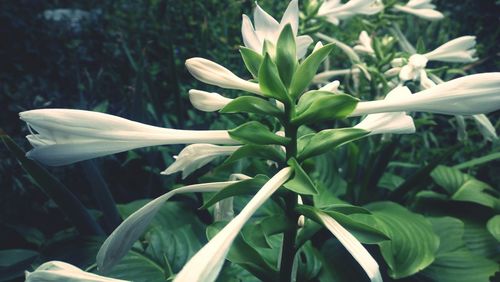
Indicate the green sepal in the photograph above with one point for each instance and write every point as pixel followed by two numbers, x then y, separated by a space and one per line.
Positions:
pixel 261 151
pixel 270 82
pixel 317 143
pixel 286 55
pixel 300 183
pixel 251 104
pixel 254 132
pixel 244 187
pixel 252 60
pixel 307 70
pixel 315 106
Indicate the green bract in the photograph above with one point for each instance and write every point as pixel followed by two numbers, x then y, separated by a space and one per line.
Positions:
pixel 250 104
pixel 286 55
pixel 254 132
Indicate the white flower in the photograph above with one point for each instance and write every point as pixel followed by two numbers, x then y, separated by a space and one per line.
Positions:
pixel 420 8
pixel 416 64
pixel 124 236
pixel 353 246
pixel 207 101
pixel 267 28
pixel 61 271
pixel 212 73
pixel 395 122
pixel 206 264
pixel 365 44
pixel 331 87
pixel 335 11
pixel 67 136
pixel 485 127
pixel 468 95
pixel 458 50
pixel 195 156
pixel 325 76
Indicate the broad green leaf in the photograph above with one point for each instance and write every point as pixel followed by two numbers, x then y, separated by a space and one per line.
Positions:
pixel 261 151
pixel 309 263
pixel 450 231
pixel 276 223
pixel 286 55
pixel 449 178
pixel 246 256
pixel 390 181
pixel 326 140
pixel 139 267
pixel 300 183
pixel 251 104
pixel 307 70
pixel 316 106
pixel 255 133
pixel 270 82
pixel 252 60
pixel 232 272
pixel 413 242
pixel 493 226
pixel 254 234
pixel 244 187
pixel 479 240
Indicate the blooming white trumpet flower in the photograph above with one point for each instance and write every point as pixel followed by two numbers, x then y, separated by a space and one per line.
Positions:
pixel 207 101
pixel 206 264
pixel 212 73
pixel 421 8
pixel 123 237
pixel 67 136
pixel 268 29
pixel 458 50
pixel 395 122
pixel 353 246
pixel 195 156
pixel 365 44
pixel 61 271
pixel 335 11
pixel 468 95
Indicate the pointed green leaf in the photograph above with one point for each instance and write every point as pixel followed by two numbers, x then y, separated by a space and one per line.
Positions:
pixel 254 132
pixel 307 70
pixel 251 104
pixel 252 60
pixel 286 55
pixel 300 183
pixel 327 139
pixel 261 151
pixel 316 106
pixel 270 82
pixel 493 226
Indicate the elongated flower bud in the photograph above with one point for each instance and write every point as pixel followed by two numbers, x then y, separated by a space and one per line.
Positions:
pixel 458 50
pixel 207 101
pixel 206 264
pixel 468 95
pixel 420 8
pixel 67 136
pixel 365 44
pixel 335 11
pixel 195 156
pixel 212 73
pixel 61 271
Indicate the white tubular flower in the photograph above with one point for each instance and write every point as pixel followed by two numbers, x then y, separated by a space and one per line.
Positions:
pixel 318 46
pixel 61 271
pixel 195 156
pixel 325 77
pixel 214 74
pixel 365 44
pixel 485 127
pixel 468 95
pixel 396 122
pixel 207 101
pixel 421 8
pixel 67 136
pixel 332 86
pixel 124 236
pixel 412 70
pixel 206 264
pixel 353 246
pixel 335 11
pixel 267 28
pixel 458 50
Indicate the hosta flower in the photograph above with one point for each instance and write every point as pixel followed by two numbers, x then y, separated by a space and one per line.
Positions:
pixel 395 122
pixel 485 127
pixel 206 264
pixel 416 65
pixel 195 156
pixel 332 86
pixel 61 271
pixel 468 95
pixel 420 8
pixel 324 77
pixel 212 73
pixel 268 29
pixel 353 246
pixel 335 11
pixel 458 50
pixel 67 136
pixel 365 44
pixel 207 101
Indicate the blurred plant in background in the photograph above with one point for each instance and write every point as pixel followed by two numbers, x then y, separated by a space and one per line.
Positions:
pixel 127 58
